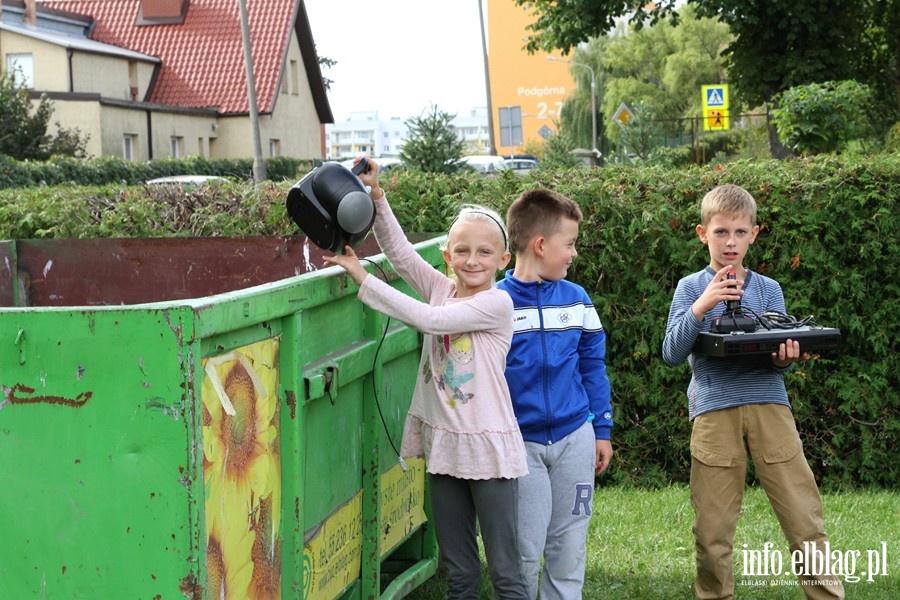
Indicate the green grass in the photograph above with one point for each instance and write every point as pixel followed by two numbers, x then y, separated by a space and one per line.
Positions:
pixel 640 545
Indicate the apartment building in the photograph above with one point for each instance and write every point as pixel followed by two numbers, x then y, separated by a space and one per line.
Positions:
pixel 366 133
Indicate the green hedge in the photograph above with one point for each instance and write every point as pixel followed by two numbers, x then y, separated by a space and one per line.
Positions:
pixel 111 170
pixel 828 234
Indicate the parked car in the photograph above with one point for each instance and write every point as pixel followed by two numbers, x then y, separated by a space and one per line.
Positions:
pixel 484 163
pixel 186 180
pixel 385 163
pixel 521 165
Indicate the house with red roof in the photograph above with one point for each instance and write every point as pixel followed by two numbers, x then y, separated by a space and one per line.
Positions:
pixel 147 79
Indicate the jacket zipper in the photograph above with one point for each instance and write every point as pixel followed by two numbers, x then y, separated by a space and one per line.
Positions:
pixel 545 392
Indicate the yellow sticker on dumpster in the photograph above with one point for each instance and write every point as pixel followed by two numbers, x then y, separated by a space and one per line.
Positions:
pixel 402 502
pixel 332 550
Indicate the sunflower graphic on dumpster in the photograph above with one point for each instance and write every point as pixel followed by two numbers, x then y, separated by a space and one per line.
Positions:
pixel 241 472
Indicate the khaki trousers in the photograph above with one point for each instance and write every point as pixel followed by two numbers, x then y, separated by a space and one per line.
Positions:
pixel 720 443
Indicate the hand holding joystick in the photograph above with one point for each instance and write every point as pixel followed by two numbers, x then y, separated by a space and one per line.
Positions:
pixel 732 306
pixel 732 319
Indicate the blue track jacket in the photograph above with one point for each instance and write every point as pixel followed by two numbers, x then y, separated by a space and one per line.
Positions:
pixel 556 366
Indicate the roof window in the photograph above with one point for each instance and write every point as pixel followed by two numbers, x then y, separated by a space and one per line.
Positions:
pixel 162 12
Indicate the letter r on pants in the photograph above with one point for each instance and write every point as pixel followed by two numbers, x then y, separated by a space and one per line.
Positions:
pixel 584 493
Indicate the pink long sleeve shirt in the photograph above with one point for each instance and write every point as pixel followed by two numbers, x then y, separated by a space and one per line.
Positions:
pixel 461 418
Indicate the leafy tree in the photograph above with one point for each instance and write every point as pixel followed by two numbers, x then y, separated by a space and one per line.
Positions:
pixel 663 68
pixel 327 63
pixel 877 63
pixel 777 44
pixel 432 145
pixel 644 133
pixel 23 135
pixel 558 151
pixel 818 118
pixel 892 140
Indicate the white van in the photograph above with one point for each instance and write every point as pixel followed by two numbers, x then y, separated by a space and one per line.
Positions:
pixel 485 164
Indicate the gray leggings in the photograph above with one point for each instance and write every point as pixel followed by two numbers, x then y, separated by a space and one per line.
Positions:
pixel 455 505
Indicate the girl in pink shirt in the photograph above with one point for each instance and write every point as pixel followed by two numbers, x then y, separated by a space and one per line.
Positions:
pixel 461 418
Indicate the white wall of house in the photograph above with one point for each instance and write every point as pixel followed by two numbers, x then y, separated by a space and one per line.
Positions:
pixel 290 130
pixel 297 135
pixel 179 135
pixel 49 60
pixel 110 76
pixel 82 115
pixel 117 123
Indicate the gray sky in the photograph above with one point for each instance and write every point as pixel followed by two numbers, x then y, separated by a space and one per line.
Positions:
pixel 400 56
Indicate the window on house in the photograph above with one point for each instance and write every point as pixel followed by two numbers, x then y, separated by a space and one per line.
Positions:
pixel 295 88
pixel 177 144
pixel 161 12
pixel 200 143
pixel 284 83
pixel 274 147
pixel 22 68
pixel 128 143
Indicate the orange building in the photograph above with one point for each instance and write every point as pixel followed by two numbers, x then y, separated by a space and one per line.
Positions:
pixel 522 84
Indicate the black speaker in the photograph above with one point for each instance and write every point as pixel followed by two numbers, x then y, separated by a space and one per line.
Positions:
pixel 331 205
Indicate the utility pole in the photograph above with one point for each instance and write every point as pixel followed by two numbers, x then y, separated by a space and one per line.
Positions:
pixel 259 165
pixel 487 80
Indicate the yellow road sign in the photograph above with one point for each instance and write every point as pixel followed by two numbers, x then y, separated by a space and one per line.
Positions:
pixel 715 119
pixel 623 115
pixel 715 107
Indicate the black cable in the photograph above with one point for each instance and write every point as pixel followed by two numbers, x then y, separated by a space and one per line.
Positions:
pixel 739 318
pixel 772 319
pixel 777 320
pixel 374 363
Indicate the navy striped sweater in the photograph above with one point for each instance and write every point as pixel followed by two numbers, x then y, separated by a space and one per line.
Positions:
pixel 716 382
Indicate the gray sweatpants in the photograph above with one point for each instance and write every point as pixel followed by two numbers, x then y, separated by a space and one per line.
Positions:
pixel 554 513
pixel 455 505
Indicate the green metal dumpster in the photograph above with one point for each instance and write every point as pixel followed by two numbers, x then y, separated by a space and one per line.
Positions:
pixel 203 418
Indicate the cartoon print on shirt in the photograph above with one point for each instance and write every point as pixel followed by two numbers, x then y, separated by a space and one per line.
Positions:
pixel 459 348
pixel 453 381
pixel 450 352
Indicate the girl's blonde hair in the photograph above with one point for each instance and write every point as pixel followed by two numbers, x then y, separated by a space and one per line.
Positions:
pixel 476 212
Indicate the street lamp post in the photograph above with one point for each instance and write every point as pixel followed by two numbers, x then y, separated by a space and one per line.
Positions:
pixel 594 151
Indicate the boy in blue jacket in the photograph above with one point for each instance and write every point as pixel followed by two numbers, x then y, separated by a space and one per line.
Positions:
pixel 556 370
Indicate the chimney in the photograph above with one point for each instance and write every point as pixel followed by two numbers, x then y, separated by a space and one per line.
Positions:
pixel 30 14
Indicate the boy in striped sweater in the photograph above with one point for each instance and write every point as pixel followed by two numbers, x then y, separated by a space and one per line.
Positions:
pixel 739 406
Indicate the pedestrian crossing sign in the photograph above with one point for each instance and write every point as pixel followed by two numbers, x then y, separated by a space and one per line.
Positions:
pixel 715 107
pixel 715 96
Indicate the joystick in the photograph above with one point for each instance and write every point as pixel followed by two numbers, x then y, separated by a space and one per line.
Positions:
pixel 733 319
pixel 361 167
pixel 732 306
